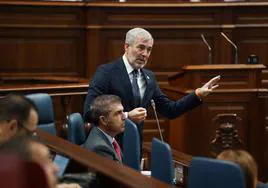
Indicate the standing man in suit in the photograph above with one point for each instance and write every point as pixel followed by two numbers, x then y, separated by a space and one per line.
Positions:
pixel 107 114
pixel 137 86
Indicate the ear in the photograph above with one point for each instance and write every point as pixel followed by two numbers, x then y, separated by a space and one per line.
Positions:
pixel 1 130
pixel 126 46
pixel 12 127
pixel 103 120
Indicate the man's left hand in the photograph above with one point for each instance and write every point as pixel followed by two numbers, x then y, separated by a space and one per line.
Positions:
pixel 208 87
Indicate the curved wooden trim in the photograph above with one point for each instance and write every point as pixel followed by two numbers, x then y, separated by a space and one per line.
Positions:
pixel 96 163
pixel 218 90
pixel 223 67
pixel 170 4
pixel 43 3
pixel 166 4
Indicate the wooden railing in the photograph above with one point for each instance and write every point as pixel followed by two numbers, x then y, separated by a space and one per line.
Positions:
pixel 67 92
pixel 68 95
pixel 95 163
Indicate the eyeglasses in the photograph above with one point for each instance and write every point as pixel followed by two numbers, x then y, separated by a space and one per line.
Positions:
pixel 27 131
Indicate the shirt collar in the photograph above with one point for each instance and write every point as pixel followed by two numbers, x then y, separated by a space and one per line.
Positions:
pixel 108 136
pixel 127 65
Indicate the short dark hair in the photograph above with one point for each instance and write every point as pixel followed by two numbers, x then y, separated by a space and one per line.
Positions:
pixel 102 106
pixel 16 106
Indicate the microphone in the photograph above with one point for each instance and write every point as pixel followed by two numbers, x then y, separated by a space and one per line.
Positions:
pixel 157 121
pixel 233 44
pixel 209 49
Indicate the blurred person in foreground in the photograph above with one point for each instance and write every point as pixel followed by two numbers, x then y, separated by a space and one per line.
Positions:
pixel 31 150
pixel 246 162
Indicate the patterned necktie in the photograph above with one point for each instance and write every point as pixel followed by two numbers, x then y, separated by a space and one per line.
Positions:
pixel 135 88
pixel 117 149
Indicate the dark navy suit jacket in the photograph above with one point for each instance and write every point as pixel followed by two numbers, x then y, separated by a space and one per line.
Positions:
pixel 112 78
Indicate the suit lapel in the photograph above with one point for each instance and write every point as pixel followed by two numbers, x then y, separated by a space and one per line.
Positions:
pixel 109 144
pixel 123 79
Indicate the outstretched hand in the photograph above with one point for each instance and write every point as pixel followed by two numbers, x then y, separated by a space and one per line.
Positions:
pixel 208 87
pixel 70 185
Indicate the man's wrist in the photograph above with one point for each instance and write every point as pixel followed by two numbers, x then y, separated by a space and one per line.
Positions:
pixel 126 114
pixel 198 93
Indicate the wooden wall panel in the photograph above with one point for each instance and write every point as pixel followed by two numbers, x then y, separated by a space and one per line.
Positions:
pixel 42 40
pixel 37 15
pixel 199 126
pixel 60 52
pixel 149 15
pixel 253 41
pixel 249 15
pixel 173 53
pixel 91 34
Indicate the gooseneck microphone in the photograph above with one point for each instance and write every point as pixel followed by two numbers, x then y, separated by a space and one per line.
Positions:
pixel 209 49
pixel 157 121
pixel 233 44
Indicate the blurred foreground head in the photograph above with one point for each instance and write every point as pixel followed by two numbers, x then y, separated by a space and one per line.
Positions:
pixel 246 162
pixel 31 150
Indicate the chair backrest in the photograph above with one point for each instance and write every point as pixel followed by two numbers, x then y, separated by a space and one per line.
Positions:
pixel 44 105
pixel 16 173
pixel 212 173
pixel 76 129
pixel 131 145
pixel 262 185
pixel 161 161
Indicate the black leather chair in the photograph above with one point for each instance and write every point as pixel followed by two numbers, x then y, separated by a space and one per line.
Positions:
pixel 262 185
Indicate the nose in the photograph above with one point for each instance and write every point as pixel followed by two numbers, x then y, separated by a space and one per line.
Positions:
pixel 55 168
pixel 145 53
pixel 124 116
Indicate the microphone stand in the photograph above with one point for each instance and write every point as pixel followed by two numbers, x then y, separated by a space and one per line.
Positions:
pixel 209 49
pixel 233 44
pixel 157 121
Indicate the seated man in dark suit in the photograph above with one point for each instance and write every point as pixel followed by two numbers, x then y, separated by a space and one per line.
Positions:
pixel 109 119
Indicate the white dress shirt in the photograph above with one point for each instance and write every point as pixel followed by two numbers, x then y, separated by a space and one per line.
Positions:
pixel 141 80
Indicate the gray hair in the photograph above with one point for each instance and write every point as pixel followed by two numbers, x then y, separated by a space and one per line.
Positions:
pixel 132 35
